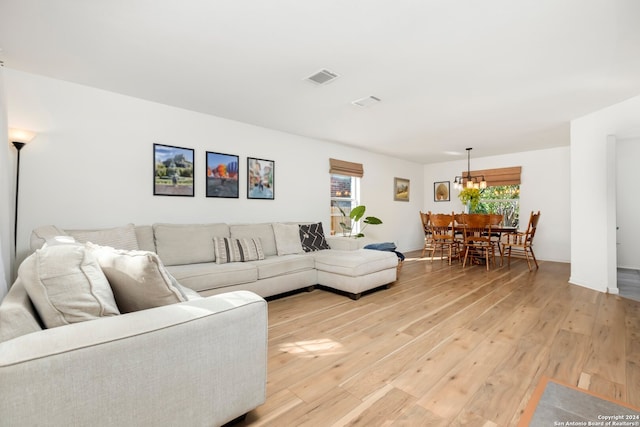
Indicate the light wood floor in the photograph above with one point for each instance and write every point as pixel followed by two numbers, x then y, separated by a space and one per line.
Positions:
pixel 445 347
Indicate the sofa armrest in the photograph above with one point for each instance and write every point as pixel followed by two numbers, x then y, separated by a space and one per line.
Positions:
pixel 201 362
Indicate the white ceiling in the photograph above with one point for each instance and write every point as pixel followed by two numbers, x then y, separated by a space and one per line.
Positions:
pixel 498 75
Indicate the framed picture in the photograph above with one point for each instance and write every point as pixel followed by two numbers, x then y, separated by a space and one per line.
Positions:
pixel 222 175
pixel 172 171
pixel 260 178
pixel 401 189
pixel 441 191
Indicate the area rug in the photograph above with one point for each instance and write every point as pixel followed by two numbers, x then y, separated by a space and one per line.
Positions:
pixel 557 404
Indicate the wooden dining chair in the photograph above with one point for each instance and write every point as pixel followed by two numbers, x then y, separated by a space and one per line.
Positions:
pixel 520 243
pixel 459 221
pixel 426 228
pixel 477 240
pixel 442 233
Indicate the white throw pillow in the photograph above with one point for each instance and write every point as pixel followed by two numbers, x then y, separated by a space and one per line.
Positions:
pixel 138 278
pixel 287 239
pixel 66 285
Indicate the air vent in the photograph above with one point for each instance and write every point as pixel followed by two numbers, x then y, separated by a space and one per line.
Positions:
pixel 322 77
pixel 366 101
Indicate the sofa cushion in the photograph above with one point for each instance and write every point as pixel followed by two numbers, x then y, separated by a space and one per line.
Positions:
pixel 237 250
pixel 287 238
pixel 138 278
pixel 66 285
pixel 355 263
pixel 144 234
pixel 284 264
pixel 209 275
pixel 178 244
pixel 123 237
pixel 312 237
pixel 264 232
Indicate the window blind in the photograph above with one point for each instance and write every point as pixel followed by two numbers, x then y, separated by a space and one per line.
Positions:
pixel 499 176
pixel 342 167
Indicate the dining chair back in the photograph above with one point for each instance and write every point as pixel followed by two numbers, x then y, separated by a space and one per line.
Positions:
pixel 442 233
pixel 477 240
pixel 520 244
pixel 426 229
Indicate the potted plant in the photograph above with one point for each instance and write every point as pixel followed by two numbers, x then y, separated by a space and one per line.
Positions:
pixel 354 216
pixel 470 197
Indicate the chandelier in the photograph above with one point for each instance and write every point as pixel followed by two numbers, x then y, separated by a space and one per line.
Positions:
pixel 468 180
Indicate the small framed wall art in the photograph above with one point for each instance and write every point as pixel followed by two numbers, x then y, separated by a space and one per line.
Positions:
pixel 172 171
pixel 441 191
pixel 260 179
pixel 222 175
pixel 401 187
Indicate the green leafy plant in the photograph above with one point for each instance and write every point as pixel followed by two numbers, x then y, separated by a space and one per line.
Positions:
pixel 354 216
pixel 470 195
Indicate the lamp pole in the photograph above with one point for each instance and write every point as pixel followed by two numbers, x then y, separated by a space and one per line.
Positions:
pixel 18 146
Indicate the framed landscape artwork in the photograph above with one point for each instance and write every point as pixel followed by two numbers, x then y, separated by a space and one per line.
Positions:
pixel 222 175
pixel 260 178
pixel 401 189
pixel 172 171
pixel 441 191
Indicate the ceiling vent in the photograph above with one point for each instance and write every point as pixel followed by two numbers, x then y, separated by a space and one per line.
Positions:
pixel 322 77
pixel 366 101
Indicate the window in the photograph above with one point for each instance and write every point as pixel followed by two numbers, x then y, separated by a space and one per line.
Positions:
pixel 344 197
pixel 502 195
pixel 503 200
pixel 345 192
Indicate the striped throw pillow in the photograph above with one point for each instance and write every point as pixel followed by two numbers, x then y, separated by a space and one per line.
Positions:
pixel 237 250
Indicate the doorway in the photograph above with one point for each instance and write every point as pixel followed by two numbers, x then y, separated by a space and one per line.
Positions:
pixel 628 228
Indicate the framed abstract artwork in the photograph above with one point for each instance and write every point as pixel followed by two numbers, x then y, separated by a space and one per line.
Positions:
pixel 260 179
pixel 441 191
pixel 172 171
pixel 401 189
pixel 222 175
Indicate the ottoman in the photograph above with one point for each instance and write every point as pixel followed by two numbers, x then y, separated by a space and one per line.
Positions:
pixel 356 271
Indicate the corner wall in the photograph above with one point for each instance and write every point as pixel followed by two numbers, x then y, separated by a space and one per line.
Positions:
pixel 91 165
pixel 545 187
pixel 593 253
pixel 6 201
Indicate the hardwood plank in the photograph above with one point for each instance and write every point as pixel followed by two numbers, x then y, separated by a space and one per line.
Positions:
pixel 423 374
pixel 454 390
pixel 567 357
pixel 633 384
pixel 383 411
pixel 500 395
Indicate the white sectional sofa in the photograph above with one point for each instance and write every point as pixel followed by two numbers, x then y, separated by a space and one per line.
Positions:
pixel 188 252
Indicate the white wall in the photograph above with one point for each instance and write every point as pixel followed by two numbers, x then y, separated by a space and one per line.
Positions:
pixel 593 142
pixel 92 165
pixel 628 204
pixel 544 187
pixel 6 204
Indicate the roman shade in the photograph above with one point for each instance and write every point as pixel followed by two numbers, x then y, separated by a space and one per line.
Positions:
pixel 499 176
pixel 342 167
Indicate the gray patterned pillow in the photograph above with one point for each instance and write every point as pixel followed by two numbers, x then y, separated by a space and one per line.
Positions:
pixel 237 250
pixel 312 237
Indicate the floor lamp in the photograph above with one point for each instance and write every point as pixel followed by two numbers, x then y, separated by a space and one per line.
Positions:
pixel 19 138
